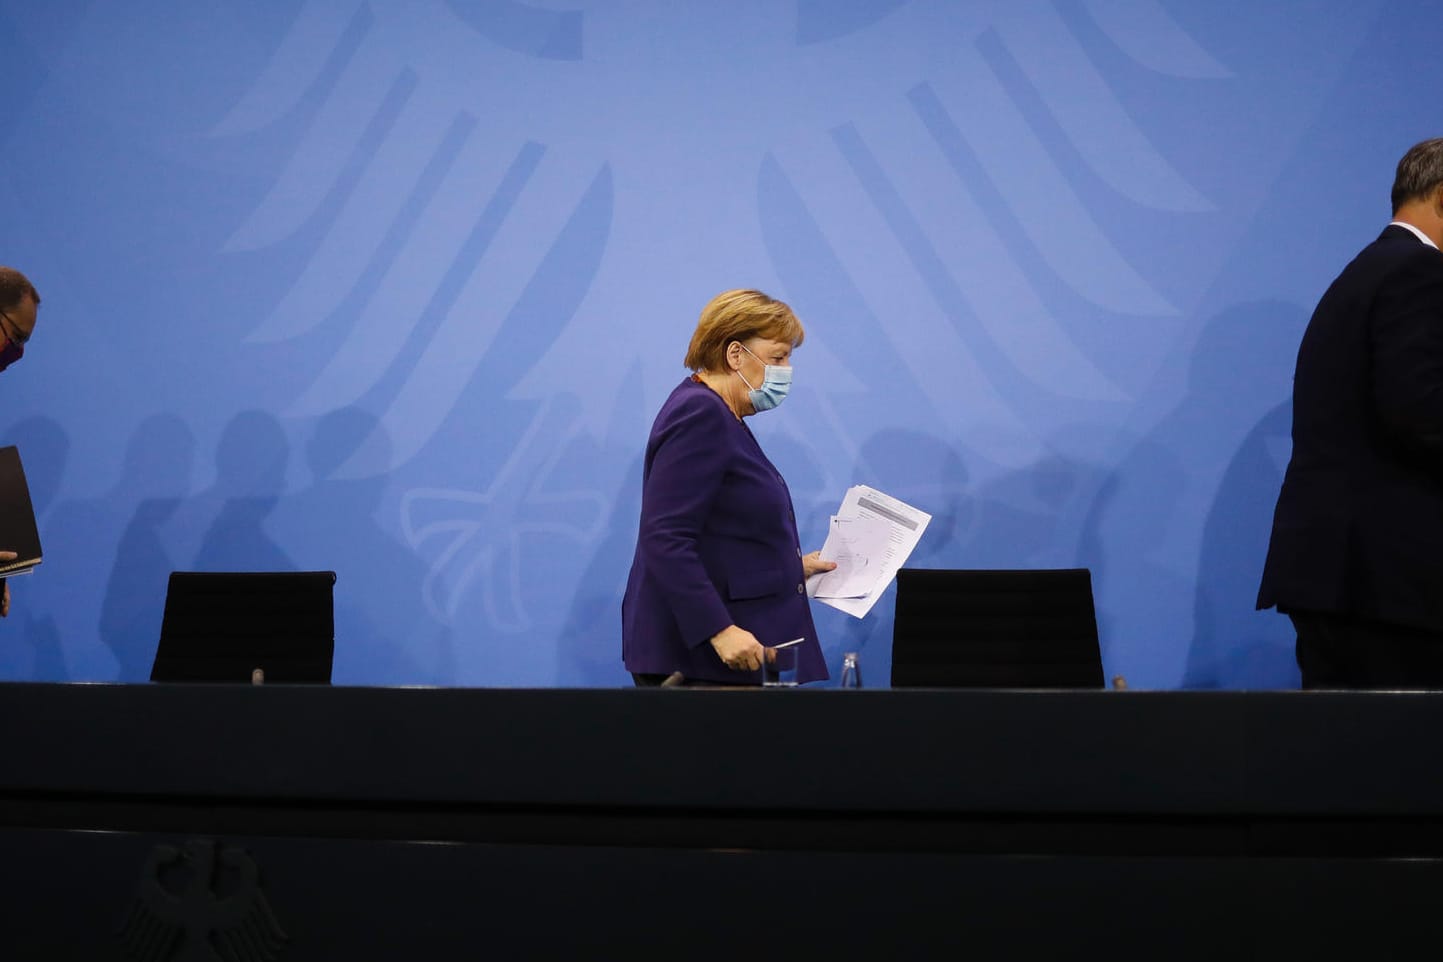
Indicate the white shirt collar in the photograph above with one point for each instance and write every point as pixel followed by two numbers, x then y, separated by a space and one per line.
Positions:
pixel 1418 233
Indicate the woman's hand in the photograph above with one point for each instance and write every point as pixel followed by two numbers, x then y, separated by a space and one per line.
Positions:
pixel 813 564
pixel 738 648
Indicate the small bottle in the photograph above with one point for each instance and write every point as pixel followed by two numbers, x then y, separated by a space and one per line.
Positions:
pixel 851 673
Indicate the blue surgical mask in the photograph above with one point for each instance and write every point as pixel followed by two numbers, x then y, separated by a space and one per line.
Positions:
pixel 776 382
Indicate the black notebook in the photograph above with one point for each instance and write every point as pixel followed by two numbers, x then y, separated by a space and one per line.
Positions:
pixel 17 516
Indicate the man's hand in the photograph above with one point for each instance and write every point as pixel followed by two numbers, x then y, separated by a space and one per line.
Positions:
pixel 738 648
pixel 5 587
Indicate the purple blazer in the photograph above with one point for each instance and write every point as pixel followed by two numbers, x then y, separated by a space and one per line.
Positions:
pixel 717 546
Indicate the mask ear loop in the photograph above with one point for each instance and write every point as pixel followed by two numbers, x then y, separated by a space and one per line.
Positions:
pixel 738 369
pixel 741 348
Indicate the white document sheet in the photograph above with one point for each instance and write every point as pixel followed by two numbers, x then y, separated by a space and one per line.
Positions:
pixel 870 537
pixel 860 547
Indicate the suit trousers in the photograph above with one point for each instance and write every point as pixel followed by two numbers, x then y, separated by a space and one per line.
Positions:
pixel 1337 650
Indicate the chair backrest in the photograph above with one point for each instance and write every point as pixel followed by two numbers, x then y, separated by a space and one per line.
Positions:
pixel 995 629
pixel 222 626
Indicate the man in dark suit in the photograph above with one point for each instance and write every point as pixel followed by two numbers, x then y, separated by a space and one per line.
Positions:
pixel 19 304
pixel 1356 556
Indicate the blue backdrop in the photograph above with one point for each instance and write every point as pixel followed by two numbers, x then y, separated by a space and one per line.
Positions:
pixel 396 288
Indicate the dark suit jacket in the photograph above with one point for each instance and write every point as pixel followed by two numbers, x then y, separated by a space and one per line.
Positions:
pixel 717 546
pixel 1359 524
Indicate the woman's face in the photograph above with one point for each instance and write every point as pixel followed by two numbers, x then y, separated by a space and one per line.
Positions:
pixel 764 351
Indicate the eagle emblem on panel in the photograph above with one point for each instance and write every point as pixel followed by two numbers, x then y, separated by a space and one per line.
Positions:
pixel 201 902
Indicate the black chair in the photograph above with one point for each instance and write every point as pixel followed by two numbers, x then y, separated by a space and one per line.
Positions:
pixel 995 629
pixel 223 626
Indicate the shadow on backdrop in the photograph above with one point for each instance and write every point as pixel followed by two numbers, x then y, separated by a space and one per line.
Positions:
pixel 250 480
pixel 1250 347
pixel 589 649
pixel 927 473
pixel 36 640
pixel 383 637
pixel 155 478
pixel 1124 540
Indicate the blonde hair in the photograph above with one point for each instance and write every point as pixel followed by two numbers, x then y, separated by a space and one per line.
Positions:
pixel 735 316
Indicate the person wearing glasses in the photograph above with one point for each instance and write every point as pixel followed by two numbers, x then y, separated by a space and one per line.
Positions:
pixel 19 304
pixel 718 576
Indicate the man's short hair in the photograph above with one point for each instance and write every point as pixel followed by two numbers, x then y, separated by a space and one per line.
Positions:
pixel 14 286
pixel 1419 172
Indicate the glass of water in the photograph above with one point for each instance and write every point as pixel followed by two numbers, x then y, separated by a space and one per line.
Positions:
pixel 779 667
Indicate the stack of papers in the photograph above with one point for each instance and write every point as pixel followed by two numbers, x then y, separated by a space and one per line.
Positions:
pixel 870 537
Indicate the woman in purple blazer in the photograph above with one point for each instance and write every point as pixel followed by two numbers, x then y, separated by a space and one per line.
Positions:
pixel 719 575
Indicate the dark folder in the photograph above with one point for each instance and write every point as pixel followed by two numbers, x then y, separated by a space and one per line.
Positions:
pixel 17 516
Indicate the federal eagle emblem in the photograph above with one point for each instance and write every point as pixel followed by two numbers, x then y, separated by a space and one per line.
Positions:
pixel 198 902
